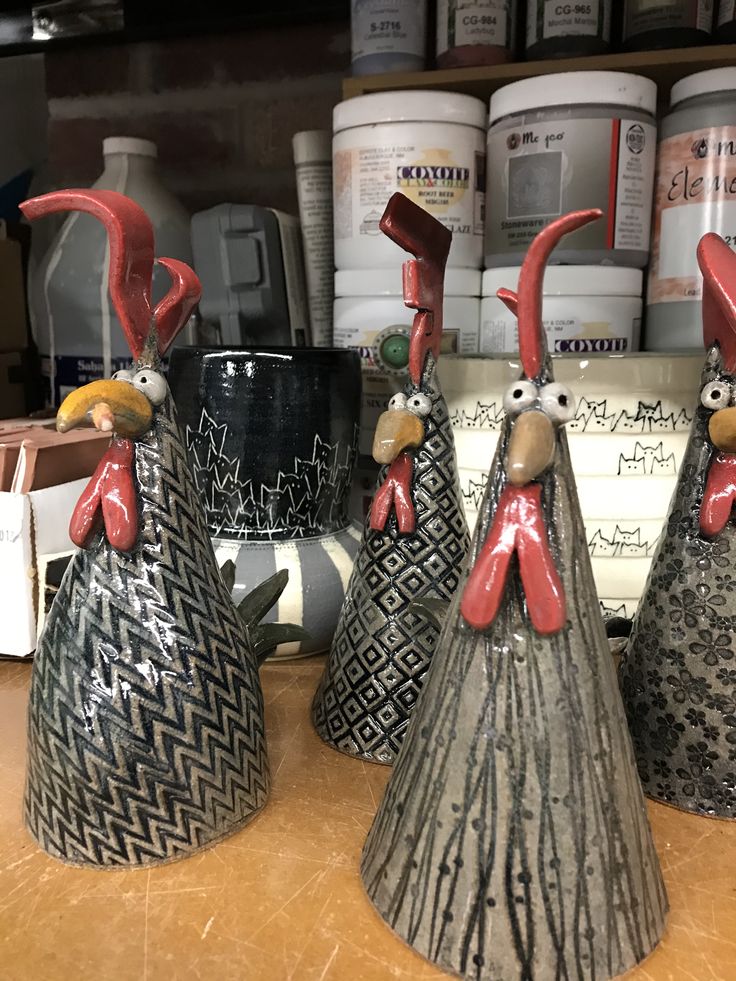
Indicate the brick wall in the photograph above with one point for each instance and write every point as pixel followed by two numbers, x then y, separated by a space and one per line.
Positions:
pixel 222 109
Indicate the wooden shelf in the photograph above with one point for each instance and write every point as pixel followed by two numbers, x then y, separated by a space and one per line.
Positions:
pixel 663 67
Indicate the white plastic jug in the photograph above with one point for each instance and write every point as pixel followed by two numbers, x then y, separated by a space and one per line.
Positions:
pixel 75 326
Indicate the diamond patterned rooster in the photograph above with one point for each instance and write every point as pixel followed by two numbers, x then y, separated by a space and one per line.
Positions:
pixel 146 738
pixel 679 675
pixel 513 841
pixel 415 539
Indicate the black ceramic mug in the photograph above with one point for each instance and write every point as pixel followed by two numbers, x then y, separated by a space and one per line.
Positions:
pixel 272 439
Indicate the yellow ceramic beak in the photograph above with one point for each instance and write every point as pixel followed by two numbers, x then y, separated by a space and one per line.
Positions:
pixel 397 430
pixel 110 406
pixel 722 429
pixel 531 447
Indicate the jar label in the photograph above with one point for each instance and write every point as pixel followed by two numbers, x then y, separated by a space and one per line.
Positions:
pixel 565 335
pixel 656 15
pixel 726 10
pixel 387 26
pixel 539 171
pixel 561 18
pixel 695 193
pixel 472 22
pixel 449 184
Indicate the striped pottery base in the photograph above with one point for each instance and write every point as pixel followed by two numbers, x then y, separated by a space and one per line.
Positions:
pixel 319 569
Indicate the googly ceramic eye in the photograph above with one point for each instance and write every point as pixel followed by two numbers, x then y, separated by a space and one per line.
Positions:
pixel 520 396
pixel 151 384
pixel 558 402
pixel 123 375
pixel 716 395
pixel 419 404
pixel 397 401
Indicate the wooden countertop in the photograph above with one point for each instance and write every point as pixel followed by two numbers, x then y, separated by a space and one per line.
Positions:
pixel 282 899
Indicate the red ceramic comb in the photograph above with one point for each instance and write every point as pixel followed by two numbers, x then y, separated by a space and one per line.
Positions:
pixel 718 266
pixel 131 264
pixel 416 231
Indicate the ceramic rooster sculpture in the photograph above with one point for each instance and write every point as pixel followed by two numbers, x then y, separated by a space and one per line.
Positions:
pixel 415 538
pixel 679 672
pixel 513 842
pixel 146 736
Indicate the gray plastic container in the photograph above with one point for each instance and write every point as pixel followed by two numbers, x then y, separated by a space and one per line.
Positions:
pixel 565 142
pixel 250 262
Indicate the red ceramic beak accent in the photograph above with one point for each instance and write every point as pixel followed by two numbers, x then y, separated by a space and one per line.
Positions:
pixel 518 527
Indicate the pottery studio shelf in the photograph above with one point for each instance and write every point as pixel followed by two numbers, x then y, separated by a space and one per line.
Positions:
pixel 663 67
pixel 282 900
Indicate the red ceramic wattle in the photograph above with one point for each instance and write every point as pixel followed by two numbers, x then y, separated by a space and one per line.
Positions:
pixel 395 492
pixel 109 496
pixel 719 494
pixel 518 528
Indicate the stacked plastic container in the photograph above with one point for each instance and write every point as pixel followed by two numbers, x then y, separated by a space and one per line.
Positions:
pixel 561 143
pixel 431 147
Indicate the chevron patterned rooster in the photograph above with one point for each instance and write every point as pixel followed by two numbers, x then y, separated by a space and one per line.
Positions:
pixel 678 674
pixel 513 842
pixel 415 539
pixel 146 736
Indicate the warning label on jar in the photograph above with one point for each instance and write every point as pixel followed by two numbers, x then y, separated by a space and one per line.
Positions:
pixel 695 193
pixel 540 171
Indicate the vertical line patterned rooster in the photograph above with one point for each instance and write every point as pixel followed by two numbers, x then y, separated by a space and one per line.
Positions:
pixel 513 842
pixel 146 737
pixel 679 673
pixel 415 538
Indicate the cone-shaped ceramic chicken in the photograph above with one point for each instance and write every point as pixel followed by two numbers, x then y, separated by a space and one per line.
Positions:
pixel 415 538
pixel 679 672
pixel 513 842
pixel 146 735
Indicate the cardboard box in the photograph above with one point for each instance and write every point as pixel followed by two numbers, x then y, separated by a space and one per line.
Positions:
pixel 33 532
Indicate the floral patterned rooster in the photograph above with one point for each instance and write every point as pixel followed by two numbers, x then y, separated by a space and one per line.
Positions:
pixel 679 673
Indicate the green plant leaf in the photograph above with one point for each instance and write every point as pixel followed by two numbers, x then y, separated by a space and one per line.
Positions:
pixel 267 636
pixel 227 571
pixel 258 602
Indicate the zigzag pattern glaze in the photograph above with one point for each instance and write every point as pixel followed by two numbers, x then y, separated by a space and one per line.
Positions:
pixel 177 758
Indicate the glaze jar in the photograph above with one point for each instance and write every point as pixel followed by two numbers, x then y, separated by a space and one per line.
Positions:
pixel 372 319
pixel 475 32
pixel 586 310
pixel 695 193
pixel 387 36
pixel 564 29
pixel 667 23
pixel 429 146
pixel 564 142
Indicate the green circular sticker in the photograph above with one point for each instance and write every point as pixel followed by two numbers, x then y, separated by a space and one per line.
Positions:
pixel 394 351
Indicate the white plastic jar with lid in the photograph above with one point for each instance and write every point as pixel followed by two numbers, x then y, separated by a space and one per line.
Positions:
pixel 559 143
pixel 429 146
pixel 695 193
pixel 371 318
pixel 586 310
